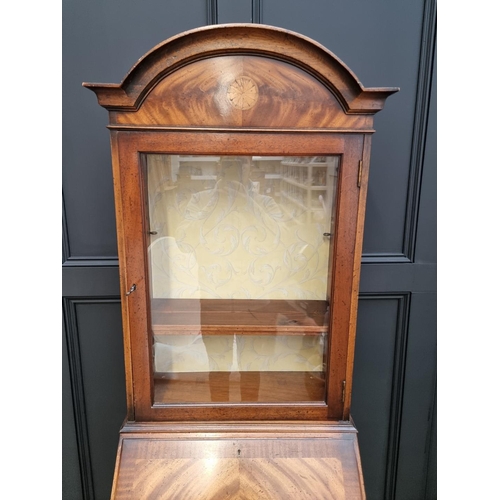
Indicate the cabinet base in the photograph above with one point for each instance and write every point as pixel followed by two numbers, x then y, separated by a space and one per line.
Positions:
pixel 238 460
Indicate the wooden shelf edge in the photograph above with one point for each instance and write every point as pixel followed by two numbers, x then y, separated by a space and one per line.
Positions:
pixel 264 427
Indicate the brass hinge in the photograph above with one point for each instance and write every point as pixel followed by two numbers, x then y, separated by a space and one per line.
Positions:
pixel 360 172
pixel 343 391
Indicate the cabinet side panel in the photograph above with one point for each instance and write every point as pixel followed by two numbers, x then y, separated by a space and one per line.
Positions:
pixel 363 169
pixel 123 273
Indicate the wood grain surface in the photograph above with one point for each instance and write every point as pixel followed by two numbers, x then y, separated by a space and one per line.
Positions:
pixel 201 93
pixel 239 466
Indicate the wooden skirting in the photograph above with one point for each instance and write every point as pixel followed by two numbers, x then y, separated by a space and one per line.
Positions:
pixel 238 461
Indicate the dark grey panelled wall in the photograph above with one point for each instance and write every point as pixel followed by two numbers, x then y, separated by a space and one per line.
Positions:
pixel 386 43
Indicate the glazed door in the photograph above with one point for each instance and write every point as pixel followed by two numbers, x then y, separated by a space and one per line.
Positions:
pixel 230 267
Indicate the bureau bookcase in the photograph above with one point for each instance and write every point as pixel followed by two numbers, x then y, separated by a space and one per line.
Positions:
pixel 240 164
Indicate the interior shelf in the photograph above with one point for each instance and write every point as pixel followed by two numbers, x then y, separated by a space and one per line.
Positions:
pixel 245 317
pixel 266 386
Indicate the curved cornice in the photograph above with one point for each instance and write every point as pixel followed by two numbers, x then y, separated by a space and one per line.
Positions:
pixel 243 39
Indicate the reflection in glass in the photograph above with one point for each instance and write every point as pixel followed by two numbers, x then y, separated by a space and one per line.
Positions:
pixel 238 275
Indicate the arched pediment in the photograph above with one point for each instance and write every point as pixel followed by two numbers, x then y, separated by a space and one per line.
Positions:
pixel 239 75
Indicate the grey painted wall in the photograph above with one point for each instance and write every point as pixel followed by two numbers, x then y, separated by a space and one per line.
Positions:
pixel 386 43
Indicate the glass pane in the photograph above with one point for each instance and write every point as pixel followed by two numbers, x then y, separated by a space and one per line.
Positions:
pixel 239 265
